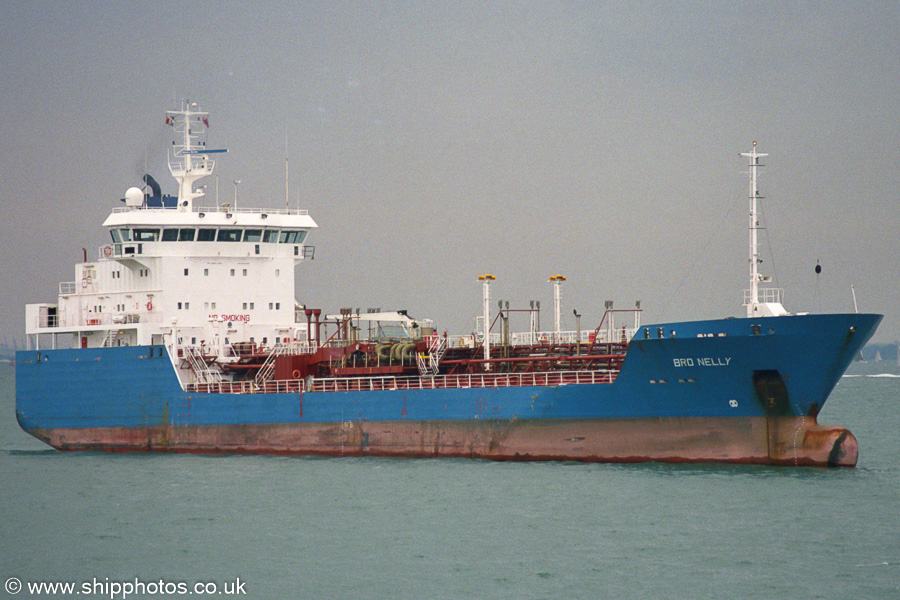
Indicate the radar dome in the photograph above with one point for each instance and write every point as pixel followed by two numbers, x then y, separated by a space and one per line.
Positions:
pixel 134 197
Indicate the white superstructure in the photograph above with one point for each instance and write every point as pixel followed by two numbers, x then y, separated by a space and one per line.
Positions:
pixel 207 277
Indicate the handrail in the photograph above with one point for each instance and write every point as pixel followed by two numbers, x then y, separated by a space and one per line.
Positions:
pixel 527 338
pixel 247 387
pixel 627 333
pixel 201 370
pixel 365 384
pixel 467 380
pixel 766 295
pixel 213 209
pixel 268 367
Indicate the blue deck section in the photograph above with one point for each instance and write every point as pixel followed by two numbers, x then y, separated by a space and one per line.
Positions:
pixel 705 369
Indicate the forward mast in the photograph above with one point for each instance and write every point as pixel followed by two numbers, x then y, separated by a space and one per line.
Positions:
pixel 760 301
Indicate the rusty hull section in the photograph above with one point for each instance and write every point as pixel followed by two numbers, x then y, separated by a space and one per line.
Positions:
pixel 794 441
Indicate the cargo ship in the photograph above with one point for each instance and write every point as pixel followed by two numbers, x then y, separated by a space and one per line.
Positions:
pixel 183 334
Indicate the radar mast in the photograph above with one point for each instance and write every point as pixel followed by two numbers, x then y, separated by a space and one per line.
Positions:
pixel 189 158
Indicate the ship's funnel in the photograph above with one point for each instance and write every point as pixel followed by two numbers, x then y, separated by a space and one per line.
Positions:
pixel 155 190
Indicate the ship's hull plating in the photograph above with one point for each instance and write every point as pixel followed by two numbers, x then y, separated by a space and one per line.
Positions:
pixel 757 440
pixel 745 391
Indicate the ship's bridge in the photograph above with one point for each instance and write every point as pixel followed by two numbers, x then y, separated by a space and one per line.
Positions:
pixel 220 231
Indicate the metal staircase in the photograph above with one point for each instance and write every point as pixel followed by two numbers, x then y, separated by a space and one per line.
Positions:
pixel 268 368
pixel 111 336
pixel 429 363
pixel 201 370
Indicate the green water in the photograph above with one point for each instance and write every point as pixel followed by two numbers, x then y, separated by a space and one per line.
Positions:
pixel 417 529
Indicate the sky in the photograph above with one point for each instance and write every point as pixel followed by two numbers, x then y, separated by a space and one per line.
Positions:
pixel 434 142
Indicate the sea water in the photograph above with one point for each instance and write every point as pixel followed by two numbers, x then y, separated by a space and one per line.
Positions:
pixel 284 527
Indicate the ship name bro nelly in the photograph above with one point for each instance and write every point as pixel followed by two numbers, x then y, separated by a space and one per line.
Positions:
pixel 708 361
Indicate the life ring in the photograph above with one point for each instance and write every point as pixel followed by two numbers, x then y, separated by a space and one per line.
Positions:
pixel 107 251
pixel 149 305
pixel 296 374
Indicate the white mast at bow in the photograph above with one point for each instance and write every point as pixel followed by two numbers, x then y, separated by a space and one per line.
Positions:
pixel 771 303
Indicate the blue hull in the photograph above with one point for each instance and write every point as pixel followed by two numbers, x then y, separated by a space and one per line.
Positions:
pixel 731 377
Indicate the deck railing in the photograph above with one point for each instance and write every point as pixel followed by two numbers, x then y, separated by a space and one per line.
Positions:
pixel 99 320
pixel 247 387
pixel 467 380
pixel 766 295
pixel 214 209
pixel 585 337
pixel 371 384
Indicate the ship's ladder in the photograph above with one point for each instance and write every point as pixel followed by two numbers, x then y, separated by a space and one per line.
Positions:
pixel 436 349
pixel 111 336
pixel 424 371
pixel 268 367
pixel 198 365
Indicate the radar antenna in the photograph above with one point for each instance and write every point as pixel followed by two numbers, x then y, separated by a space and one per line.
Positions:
pixel 189 158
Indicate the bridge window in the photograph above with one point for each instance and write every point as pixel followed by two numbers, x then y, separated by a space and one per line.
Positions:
pixel 229 235
pixel 116 238
pixel 186 235
pixel 170 235
pixel 289 237
pixel 146 235
pixel 206 235
pixel 126 235
pixel 270 236
pixel 253 235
